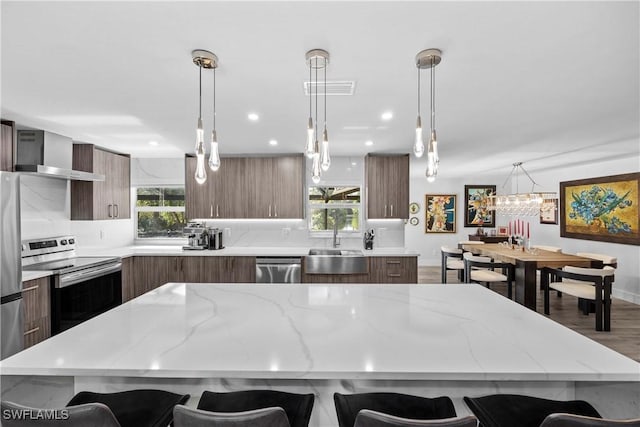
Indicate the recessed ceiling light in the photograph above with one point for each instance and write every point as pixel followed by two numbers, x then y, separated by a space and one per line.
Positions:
pixel 353 163
pixel 253 117
pixel 154 143
pixel 368 143
pixel 387 115
pixel 273 142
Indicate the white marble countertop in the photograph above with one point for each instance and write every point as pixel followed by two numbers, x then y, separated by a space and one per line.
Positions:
pixel 32 275
pixel 413 332
pixel 176 250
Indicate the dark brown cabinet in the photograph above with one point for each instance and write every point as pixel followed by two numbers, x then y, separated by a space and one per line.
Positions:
pixel 387 186
pixel 7 145
pixel 251 187
pixel 128 279
pixel 108 199
pixel 37 311
pixel 150 272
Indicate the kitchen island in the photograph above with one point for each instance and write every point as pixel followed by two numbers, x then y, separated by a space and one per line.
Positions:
pixel 430 340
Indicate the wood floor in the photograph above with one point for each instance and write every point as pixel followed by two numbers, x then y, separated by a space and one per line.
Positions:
pixel 625 316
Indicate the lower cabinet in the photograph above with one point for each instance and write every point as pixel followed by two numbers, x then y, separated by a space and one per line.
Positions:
pixel 381 270
pixel 37 310
pixel 150 272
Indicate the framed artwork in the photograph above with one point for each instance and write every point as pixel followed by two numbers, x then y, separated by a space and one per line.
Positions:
pixel 440 213
pixel 414 208
pixel 414 220
pixel 476 206
pixel 503 230
pixel 604 208
pixel 549 211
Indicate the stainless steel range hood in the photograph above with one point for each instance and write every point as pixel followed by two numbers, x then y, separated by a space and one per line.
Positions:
pixel 48 154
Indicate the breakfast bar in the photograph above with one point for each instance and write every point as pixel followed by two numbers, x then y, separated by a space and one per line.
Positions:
pixel 430 340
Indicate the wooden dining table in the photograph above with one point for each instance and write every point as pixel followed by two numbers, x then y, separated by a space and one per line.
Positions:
pixel 527 263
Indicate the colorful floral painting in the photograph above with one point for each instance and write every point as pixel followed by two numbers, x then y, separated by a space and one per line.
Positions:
pixel 476 206
pixel 440 213
pixel 603 208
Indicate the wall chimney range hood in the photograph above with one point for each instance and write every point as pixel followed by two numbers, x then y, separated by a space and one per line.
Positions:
pixel 48 154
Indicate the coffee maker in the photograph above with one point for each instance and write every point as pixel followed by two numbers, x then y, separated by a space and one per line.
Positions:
pixel 198 235
pixel 215 239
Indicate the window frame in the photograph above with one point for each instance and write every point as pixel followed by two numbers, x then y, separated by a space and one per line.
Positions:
pixel 136 209
pixel 329 233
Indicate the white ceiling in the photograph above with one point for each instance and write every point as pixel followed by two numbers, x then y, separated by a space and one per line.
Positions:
pixel 546 83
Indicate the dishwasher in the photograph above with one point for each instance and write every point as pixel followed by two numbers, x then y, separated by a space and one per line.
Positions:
pixel 278 269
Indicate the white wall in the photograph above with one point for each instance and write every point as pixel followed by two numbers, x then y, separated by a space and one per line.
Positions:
pixel 627 281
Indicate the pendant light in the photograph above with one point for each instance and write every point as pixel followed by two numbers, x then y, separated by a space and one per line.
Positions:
pixel 528 203
pixel 418 145
pixel 317 59
pixel 429 58
pixel 214 156
pixel 202 59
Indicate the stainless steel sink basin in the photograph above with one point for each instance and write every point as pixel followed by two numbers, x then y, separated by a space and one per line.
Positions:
pixel 336 261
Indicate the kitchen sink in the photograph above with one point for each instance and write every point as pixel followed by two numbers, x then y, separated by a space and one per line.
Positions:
pixel 336 261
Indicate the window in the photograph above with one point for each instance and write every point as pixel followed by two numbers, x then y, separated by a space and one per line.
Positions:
pixel 159 212
pixel 326 204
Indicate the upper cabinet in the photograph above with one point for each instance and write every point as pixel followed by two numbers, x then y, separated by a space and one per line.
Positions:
pixel 109 199
pixel 387 186
pixel 7 144
pixel 247 187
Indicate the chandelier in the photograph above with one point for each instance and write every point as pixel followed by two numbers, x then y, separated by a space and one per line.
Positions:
pixel 207 60
pixel 428 58
pixel 317 59
pixel 520 204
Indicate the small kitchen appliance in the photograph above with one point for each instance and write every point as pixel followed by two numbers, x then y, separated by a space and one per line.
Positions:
pixel 198 235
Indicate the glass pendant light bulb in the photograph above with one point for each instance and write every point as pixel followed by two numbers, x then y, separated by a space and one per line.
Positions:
pixel 418 145
pixel 315 169
pixel 309 150
pixel 214 156
pixel 201 172
pixel 199 133
pixel 325 160
pixel 432 165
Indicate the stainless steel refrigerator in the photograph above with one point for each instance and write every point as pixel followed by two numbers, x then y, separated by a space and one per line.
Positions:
pixel 11 305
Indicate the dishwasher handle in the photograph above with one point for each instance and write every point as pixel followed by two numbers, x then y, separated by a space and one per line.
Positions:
pixel 277 260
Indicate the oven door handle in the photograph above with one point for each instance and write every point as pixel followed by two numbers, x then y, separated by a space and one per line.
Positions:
pixel 84 275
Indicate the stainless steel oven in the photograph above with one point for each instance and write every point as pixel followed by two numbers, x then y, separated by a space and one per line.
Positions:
pixel 81 287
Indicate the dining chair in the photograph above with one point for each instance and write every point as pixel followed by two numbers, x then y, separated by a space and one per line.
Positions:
pixel 264 417
pixel 135 408
pixel 451 260
pixel 510 410
pixel 481 269
pixel 88 414
pixel 298 407
pixel 592 284
pixel 606 260
pixel 368 418
pixel 569 420
pixel 400 405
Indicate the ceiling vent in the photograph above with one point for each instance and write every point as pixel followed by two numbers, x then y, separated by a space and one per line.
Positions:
pixel 333 87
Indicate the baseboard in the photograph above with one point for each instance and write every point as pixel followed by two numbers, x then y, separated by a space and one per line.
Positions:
pixel 627 296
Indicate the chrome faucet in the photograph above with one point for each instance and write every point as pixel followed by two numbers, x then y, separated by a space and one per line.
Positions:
pixel 336 241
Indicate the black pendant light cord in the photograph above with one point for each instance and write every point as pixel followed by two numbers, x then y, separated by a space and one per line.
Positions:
pixel 200 84
pixel 310 91
pixel 418 67
pixel 433 93
pixel 316 126
pixel 214 99
pixel 325 94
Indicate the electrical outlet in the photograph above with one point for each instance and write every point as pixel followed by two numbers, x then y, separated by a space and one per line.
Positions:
pixel 102 234
pixel 286 231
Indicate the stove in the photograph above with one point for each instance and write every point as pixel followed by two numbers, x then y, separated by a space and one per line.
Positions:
pixel 81 287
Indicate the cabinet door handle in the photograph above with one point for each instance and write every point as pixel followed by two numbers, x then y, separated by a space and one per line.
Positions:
pixel 211 213
pixel 110 211
pixel 117 211
pixel 31 331
pixel 31 288
pixel 385 211
pixel 217 210
pixel 393 274
pixel 391 210
pixel 275 210
pixel 269 210
pixel 393 262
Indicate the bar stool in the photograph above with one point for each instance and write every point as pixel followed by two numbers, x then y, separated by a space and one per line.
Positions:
pixel 400 405
pixel 509 410
pixel 89 414
pixel 568 420
pixel 266 417
pixel 451 260
pixel 297 406
pixel 135 408
pixel 368 418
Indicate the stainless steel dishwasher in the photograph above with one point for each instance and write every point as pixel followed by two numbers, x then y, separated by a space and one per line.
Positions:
pixel 278 270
